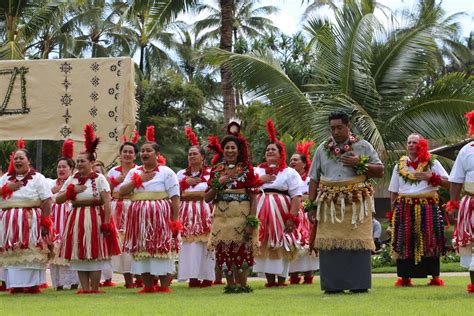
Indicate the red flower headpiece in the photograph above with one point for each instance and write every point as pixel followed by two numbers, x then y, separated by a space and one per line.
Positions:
pixel 68 149
pixel 422 151
pixel 215 146
pixel 191 136
pixel 134 139
pixel 272 135
pixel 470 122
pixel 150 133
pixel 303 149
pixel 91 141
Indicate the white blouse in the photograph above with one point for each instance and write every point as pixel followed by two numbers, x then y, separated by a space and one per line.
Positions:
pixel 286 180
pixel 201 186
pixel 400 186
pixel 115 172
pixel 101 185
pixel 463 169
pixel 36 188
pixel 164 180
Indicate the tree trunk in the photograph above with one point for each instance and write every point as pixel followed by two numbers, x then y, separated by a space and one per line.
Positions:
pixel 39 155
pixel 227 8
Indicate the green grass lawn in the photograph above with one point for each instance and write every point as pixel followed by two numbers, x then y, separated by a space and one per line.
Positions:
pixel 383 299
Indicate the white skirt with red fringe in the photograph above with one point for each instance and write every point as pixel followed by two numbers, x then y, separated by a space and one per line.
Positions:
pixel 148 233
pixel 195 216
pixel 119 212
pixel 21 243
pixel 271 211
pixel 83 240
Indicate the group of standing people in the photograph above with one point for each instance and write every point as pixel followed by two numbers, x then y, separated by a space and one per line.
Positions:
pixel 278 220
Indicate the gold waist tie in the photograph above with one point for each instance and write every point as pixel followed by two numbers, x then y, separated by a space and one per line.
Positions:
pixel 192 196
pixel 20 204
pixel 148 196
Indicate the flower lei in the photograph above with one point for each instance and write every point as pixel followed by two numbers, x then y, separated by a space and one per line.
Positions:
pixel 409 177
pixel 239 176
pixel 270 169
pixel 335 151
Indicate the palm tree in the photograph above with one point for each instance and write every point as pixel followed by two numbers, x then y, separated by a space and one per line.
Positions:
pixel 380 81
pixel 231 19
pixel 22 21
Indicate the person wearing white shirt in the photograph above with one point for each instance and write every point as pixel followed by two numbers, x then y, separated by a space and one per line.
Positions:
pixel 417 220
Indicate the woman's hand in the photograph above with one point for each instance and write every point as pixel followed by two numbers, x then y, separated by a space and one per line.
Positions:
pixel 147 176
pixel 14 186
pixel 224 179
pixel 423 175
pixel 79 188
pixel 267 178
pixel 192 181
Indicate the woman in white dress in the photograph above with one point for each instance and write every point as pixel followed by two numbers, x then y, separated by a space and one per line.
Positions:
pixel 152 227
pixel 90 238
pixel 196 262
pixel 24 249
pixel 61 275
pixel 306 262
pixel 277 210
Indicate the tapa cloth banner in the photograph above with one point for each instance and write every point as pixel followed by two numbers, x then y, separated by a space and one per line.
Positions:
pixel 55 99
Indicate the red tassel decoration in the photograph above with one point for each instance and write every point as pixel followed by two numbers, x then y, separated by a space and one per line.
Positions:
pixel 11 168
pixel 272 135
pixel 150 133
pixel 6 192
pixel 135 136
pixel 161 160
pixel 71 193
pixel 176 226
pixel 422 152
pixel 113 181
pixel 137 181
pixel 91 141
pixel 67 150
pixel 20 144
pixel 124 139
pixel 435 179
pixel 215 146
pixel 452 205
pixel 191 136
pixel 470 122
pixel 303 148
pixel 293 217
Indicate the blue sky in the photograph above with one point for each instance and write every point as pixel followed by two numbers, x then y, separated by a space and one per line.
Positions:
pixel 289 17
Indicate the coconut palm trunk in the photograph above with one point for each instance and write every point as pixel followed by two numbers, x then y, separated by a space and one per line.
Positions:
pixel 227 7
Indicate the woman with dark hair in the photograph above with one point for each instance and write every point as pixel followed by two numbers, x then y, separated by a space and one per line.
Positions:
pixel 120 205
pixel 277 210
pixel 61 274
pixel 196 262
pixel 26 227
pixel 152 226
pixel 232 189
pixel 306 262
pixel 90 238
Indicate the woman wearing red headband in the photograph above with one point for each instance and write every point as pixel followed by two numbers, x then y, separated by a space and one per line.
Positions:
pixel 90 238
pixel 196 262
pixel 26 227
pixel 277 210
pixel 152 227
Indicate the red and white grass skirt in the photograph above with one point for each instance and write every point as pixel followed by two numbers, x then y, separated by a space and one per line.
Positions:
pixel 304 228
pixel 59 213
pixel 271 211
pixel 196 219
pixel 148 233
pixel 464 230
pixel 119 212
pixel 20 237
pixel 82 238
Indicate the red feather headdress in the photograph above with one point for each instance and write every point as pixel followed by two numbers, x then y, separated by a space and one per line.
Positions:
pixel 470 122
pixel 68 149
pixel 191 136
pixel 150 133
pixel 134 139
pixel 303 149
pixel 215 146
pixel 422 150
pixel 20 144
pixel 272 135
pixel 91 141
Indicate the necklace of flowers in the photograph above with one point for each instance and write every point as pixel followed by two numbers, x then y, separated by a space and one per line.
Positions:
pixel 408 176
pixel 239 176
pixel 27 176
pixel 335 151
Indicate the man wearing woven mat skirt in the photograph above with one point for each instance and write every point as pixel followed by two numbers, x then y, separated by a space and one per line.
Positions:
pixel 342 203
